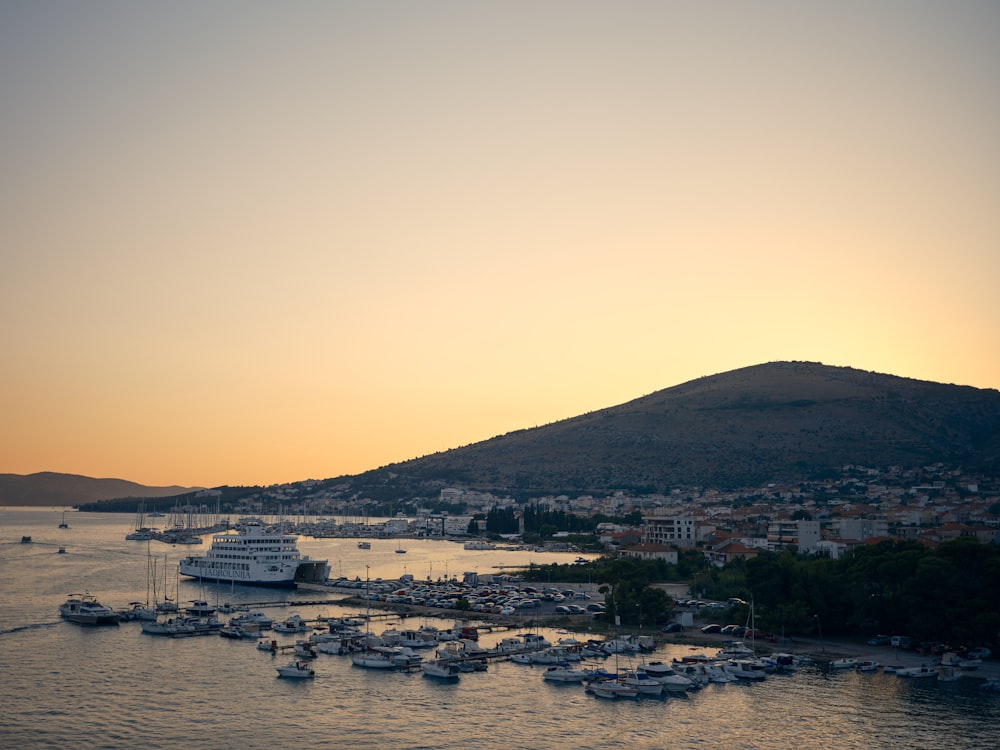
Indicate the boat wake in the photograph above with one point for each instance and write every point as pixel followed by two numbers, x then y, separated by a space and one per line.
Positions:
pixel 32 626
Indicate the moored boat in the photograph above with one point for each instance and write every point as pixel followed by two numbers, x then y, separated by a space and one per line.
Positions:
pixel 565 673
pixel 296 668
pixel 441 670
pixel 256 556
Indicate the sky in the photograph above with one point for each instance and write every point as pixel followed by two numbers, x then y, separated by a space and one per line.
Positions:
pixel 246 242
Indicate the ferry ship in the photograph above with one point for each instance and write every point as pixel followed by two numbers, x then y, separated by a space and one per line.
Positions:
pixel 255 556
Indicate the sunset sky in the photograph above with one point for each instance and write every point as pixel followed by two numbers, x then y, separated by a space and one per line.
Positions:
pixel 252 242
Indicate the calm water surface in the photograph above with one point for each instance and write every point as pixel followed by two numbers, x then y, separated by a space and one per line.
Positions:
pixel 65 686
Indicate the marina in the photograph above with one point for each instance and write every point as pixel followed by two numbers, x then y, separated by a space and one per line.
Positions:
pixel 161 685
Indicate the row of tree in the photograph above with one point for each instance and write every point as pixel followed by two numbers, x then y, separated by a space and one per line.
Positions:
pixel 948 594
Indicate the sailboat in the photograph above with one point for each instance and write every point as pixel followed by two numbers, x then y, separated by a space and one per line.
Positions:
pixel 369 657
pixel 168 605
pixel 399 548
pixel 613 687
pixel 63 524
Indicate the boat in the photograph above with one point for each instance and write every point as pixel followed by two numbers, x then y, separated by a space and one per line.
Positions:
pixel 25 540
pixel 611 689
pixel 921 672
pixel 61 551
pixel 667 676
pixel 139 611
pixel 441 670
pixel 948 673
pixel 296 668
pixel 84 609
pixel 364 545
pixel 845 663
pixel 746 669
pixel 255 556
pixel 565 673
pixel 641 681
pixel 292 624
pixel 248 631
pixel 373 658
pixel 62 523
pixel 867 665
pixel 254 617
pixel 200 608
pixel 183 626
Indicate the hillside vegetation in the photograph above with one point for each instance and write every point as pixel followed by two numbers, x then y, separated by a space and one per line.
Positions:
pixel 773 422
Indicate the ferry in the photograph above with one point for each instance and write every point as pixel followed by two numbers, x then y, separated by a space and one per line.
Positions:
pixel 255 556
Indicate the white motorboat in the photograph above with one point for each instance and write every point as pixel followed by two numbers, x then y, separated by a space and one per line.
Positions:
pixel 845 663
pixel 441 670
pixel 642 682
pixel 257 556
pixel 611 689
pixel 240 632
pixel 292 624
pixel 565 673
pixel 84 609
pixel 252 617
pixel 921 672
pixel 373 659
pixel 746 669
pixel 667 676
pixel 296 668
pixel 182 626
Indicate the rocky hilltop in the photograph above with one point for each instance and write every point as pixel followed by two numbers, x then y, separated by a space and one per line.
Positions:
pixel 776 421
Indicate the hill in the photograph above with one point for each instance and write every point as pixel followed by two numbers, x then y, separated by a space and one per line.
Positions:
pixel 49 488
pixel 771 422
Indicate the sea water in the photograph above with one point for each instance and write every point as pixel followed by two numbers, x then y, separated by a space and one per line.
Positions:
pixel 65 685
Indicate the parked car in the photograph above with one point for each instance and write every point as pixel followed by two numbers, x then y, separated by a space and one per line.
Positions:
pixel 713 628
pixel 980 653
pixel 674 627
pixel 879 640
pixel 900 641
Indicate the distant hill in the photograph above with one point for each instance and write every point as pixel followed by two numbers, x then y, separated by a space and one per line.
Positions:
pixel 771 422
pixel 49 488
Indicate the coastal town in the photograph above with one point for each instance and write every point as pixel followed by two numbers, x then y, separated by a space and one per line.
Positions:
pixel 828 517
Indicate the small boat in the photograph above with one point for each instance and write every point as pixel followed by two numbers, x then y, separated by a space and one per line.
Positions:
pixel 139 611
pixel 646 685
pixel 845 663
pixel 948 673
pixel 441 670
pixel 84 609
pixel 867 665
pixel 565 673
pixel 239 632
pixel 611 689
pixel 63 524
pixel 25 540
pixel 921 672
pixel 62 551
pixel 364 545
pixel 200 608
pixel 265 645
pixel 373 659
pixel 297 669
pixel 292 624
pixel 252 617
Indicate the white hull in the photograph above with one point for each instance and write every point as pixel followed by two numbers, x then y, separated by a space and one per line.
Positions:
pixel 254 556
